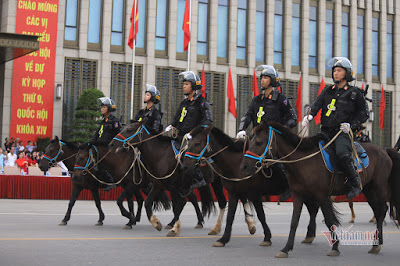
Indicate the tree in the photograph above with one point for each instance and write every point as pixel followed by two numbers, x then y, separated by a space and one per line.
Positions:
pixel 87 116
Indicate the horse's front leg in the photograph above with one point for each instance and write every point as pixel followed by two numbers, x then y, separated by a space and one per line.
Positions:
pixel 353 214
pixel 261 217
pixel 124 194
pixel 297 206
pixel 312 207
pixel 179 203
pixel 248 217
pixel 233 202
pixel 148 204
pixel 200 219
pixel 96 197
pixel 139 201
pixel 219 194
pixel 76 190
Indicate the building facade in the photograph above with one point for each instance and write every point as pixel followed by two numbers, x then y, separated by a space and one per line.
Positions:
pixel 297 37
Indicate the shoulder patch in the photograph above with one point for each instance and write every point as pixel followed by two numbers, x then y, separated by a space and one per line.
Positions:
pixel 285 101
pixel 116 124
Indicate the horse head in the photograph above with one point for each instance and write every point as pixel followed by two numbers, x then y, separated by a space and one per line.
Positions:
pixel 52 154
pixel 83 162
pixel 133 133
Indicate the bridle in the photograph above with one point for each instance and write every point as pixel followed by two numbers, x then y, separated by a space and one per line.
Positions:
pixel 198 156
pixel 52 160
pixel 90 158
pixel 125 141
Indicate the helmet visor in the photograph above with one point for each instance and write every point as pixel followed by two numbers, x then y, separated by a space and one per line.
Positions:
pixel 187 76
pixel 339 62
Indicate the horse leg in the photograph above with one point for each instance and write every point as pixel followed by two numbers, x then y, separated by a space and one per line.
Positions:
pixel 233 202
pixel 312 207
pixel 124 212
pixel 180 203
pixel 331 222
pixel 139 201
pixel 248 217
pixel 96 197
pixel 353 214
pixel 261 217
pixel 219 194
pixel 172 223
pixel 148 206
pixel 74 196
pixel 297 206
pixel 200 220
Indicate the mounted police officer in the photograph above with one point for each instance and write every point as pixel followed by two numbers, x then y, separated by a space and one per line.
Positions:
pixel 343 108
pixel 109 127
pixel 270 105
pixel 153 115
pixel 193 111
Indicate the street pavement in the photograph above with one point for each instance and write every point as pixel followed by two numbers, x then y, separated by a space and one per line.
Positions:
pixel 30 235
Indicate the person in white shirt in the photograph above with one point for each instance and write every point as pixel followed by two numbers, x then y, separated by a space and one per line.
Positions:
pixel 11 158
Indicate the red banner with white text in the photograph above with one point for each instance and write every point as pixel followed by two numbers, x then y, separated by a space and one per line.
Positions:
pixel 33 75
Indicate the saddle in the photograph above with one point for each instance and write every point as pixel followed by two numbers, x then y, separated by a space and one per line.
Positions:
pixel 331 160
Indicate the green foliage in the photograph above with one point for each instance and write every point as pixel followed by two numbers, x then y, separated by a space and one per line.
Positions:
pixel 42 143
pixel 87 116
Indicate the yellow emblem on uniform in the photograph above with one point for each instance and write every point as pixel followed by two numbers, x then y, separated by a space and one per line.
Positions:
pixel 140 119
pixel 183 114
pixel 101 131
pixel 331 107
pixel 260 114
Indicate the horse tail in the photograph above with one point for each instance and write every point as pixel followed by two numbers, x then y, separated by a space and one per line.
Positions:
pixel 394 182
pixel 207 201
pixel 161 202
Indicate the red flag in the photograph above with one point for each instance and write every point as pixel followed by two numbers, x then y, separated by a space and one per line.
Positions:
pixel 382 110
pixel 203 82
pixel 186 27
pixel 255 84
pixel 279 89
pixel 362 86
pixel 132 35
pixel 231 95
pixel 317 118
pixel 298 102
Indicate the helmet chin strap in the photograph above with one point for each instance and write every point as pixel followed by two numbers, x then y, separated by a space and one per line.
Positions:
pixel 338 81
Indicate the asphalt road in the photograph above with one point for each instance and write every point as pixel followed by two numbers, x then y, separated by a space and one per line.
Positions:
pixel 30 235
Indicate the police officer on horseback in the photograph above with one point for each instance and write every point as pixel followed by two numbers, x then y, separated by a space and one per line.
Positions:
pixel 109 127
pixel 270 105
pixel 150 112
pixel 343 108
pixel 193 111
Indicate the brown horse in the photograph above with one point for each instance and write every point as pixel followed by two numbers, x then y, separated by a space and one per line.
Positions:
pixel 309 178
pixel 228 155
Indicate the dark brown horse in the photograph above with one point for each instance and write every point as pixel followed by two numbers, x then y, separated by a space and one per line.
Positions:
pixel 228 155
pixel 310 179
pixel 158 157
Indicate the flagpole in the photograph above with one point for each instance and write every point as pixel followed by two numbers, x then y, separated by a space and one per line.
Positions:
pixel 133 59
pixel 190 26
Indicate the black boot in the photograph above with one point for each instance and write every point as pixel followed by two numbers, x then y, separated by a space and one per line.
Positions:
pixel 199 180
pixel 353 181
pixel 109 179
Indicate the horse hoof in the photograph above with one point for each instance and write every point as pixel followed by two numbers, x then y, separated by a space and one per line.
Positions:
pixel 373 220
pixel 172 233
pixel 266 243
pixel 127 226
pixel 168 226
pixel 375 249
pixel 158 226
pixel 62 223
pixel 99 224
pixel 333 253
pixel 199 226
pixel 212 233
pixel 252 230
pixel 351 221
pixel 308 240
pixel 281 255
pixel 218 244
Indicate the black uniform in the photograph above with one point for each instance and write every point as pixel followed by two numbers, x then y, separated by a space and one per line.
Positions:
pixel 340 105
pixel 192 113
pixel 362 138
pixel 273 108
pixel 153 118
pixel 109 127
pixel 397 146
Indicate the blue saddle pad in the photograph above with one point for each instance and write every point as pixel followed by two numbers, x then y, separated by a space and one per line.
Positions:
pixel 362 154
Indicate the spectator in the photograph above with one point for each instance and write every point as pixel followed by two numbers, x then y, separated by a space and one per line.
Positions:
pixel 30 147
pixel 11 157
pixel 14 145
pixel 7 145
pixel 2 159
pixel 40 157
pixel 22 162
pixel 32 159
pixel 20 146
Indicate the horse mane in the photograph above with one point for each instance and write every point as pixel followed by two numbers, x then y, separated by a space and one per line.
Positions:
pixel 222 138
pixel 68 143
pixel 292 138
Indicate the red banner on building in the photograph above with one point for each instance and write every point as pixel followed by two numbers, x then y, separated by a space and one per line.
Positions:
pixel 33 74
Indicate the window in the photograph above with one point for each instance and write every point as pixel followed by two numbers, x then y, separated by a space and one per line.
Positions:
pixel 383 137
pixel 345 34
pixel 289 88
pixel 328 37
pixel 313 42
pixel 141 35
pixel 79 74
pixel 244 96
pixel 95 24
pixel 241 32
pixel 278 33
pixel 375 47
pixel 161 27
pixel 179 24
pixel 71 29
pixel 260 31
pixel 121 84
pixel 167 82
pixel 360 44
pixel 296 28
pixel 389 49
pixel 222 39
pixel 202 29
pixel 215 88
pixel 117 26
